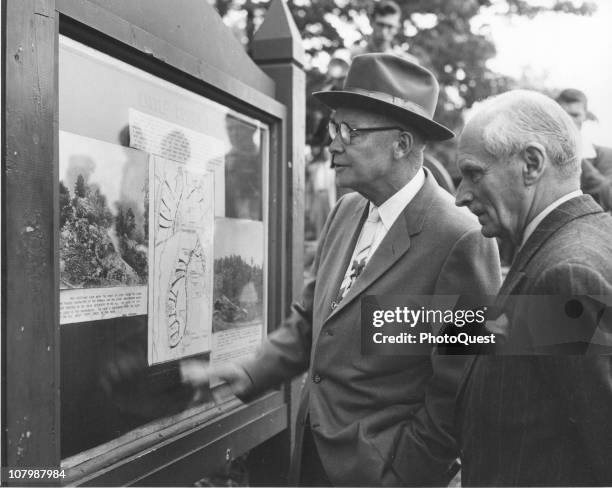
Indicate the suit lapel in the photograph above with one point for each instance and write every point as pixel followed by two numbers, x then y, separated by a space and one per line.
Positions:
pixel 343 246
pixel 563 214
pixel 347 243
pixel 394 245
pixel 514 282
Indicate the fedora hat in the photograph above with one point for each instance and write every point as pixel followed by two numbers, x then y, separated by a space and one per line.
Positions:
pixel 394 86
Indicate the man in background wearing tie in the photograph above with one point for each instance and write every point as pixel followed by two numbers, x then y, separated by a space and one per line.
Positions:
pixel 372 420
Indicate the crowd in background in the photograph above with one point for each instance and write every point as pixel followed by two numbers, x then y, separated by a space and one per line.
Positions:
pixel 321 190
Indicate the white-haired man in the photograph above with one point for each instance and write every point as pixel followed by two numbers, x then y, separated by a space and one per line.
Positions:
pixel 538 419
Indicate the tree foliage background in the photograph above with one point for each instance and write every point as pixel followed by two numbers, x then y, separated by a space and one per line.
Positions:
pixel 443 34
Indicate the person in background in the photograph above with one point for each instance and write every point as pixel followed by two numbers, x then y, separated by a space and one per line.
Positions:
pixel 596 177
pixel 541 417
pixel 386 22
pixel 321 191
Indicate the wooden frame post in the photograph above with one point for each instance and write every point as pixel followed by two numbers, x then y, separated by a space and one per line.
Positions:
pixel 30 197
pixel 277 49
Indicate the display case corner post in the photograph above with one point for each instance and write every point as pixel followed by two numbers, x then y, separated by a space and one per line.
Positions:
pixel 30 336
pixel 277 49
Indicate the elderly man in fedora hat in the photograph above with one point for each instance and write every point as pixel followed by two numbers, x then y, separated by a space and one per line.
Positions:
pixel 372 420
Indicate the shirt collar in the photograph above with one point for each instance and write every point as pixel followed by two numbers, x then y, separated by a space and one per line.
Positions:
pixel 531 226
pixel 588 150
pixel 390 210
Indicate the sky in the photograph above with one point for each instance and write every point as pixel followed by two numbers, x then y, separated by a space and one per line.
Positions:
pixel 564 51
pixel 240 237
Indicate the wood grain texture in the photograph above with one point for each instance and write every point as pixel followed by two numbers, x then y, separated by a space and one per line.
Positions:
pixel 284 66
pixel 30 186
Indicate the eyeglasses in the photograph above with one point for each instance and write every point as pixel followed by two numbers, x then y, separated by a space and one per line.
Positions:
pixel 346 132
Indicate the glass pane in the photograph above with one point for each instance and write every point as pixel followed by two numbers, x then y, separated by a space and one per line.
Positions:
pixel 163 245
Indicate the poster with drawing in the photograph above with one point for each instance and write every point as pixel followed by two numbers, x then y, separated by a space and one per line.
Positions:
pixel 181 210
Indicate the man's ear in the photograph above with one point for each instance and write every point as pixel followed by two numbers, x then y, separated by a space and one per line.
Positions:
pixel 534 158
pixel 404 144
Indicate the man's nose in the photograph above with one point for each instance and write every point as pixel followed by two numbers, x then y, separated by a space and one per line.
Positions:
pixel 464 196
pixel 336 145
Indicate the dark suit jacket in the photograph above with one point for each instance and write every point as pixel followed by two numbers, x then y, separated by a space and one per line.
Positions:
pixel 379 420
pixel 544 420
pixel 596 178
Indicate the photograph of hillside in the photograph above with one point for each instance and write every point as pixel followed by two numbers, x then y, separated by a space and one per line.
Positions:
pixel 103 214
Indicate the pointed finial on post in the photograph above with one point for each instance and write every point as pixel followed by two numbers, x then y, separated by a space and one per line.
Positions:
pixel 278 38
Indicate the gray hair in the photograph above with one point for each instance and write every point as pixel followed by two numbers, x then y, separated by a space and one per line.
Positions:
pixel 518 117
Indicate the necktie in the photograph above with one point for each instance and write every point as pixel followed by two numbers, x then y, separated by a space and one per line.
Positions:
pixel 362 253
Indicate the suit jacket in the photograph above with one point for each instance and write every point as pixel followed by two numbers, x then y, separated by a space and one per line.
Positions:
pixel 596 178
pixel 544 419
pixel 379 420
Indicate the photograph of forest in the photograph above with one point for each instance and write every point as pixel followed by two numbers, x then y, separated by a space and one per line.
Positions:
pixel 238 293
pixel 103 241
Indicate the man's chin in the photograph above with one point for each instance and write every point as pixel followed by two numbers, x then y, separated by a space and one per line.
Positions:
pixel 487 231
pixel 342 182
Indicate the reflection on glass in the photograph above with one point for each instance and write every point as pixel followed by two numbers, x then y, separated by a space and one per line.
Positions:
pixel 243 169
pixel 107 388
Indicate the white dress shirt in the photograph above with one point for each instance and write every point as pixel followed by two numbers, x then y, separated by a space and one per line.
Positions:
pixel 587 148
pixel 390 210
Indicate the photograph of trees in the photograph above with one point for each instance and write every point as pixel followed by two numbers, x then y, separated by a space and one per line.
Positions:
pixel 97 248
